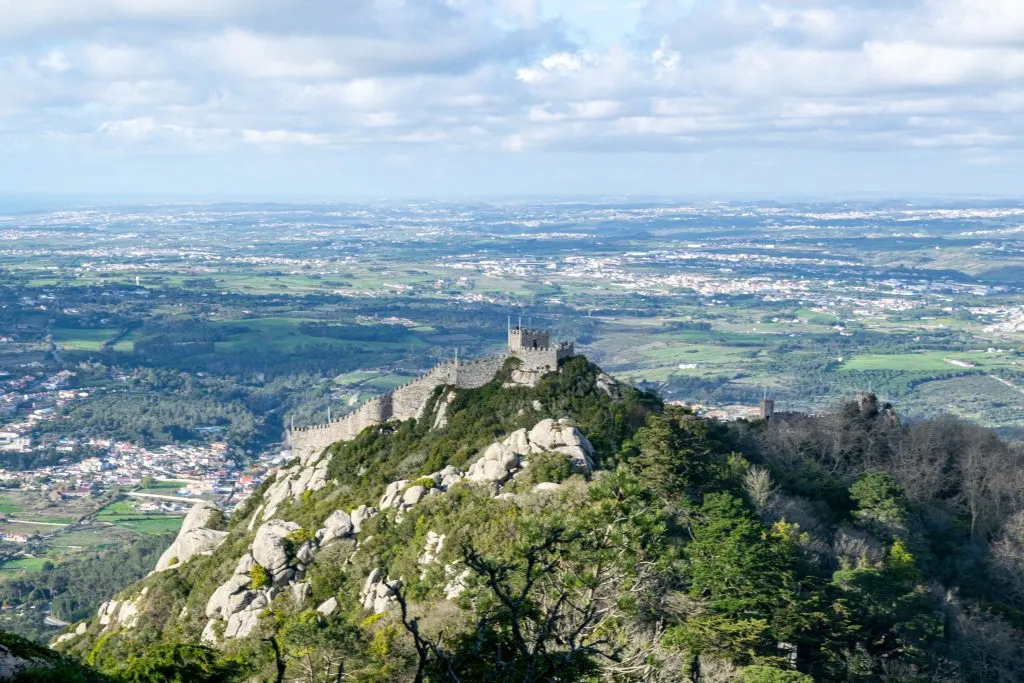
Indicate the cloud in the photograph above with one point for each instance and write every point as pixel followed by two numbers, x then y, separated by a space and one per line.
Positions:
pixel 473 76
pixel 283 137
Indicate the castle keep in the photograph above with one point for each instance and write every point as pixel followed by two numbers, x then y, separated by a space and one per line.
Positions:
pixel 532 347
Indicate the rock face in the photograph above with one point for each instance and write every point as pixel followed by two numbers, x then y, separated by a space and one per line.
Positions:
pixel 195 536
pixel 269 548
pixel 79 630
pixel 236 603
pixel 378 593
pixel 501 460
pixel 121 614
pixel 309 474
pixel 337 525
pixel 563 437
pixel 609 385
pixel 496 464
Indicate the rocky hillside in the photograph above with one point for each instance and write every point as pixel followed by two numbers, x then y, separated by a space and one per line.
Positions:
pixel 571 530
pixel 24 661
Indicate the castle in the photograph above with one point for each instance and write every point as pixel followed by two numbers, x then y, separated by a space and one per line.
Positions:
pixel 531 346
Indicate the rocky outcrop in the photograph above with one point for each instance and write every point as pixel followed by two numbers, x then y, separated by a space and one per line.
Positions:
pixel 121 614
pixel 609 385
pixel 270 549
pixel 301 592
pixel 308 474
pixel 432 548
pixel 328 607
pixel 403 494
pixel 241 624
pixel 501 460
pixel 564 437
pixel 360 516
pixel 63 638
pixel 237 603
pixel 497 463
pixel 338 525
pixel 196 536
pixel 378 593
pixel 457 582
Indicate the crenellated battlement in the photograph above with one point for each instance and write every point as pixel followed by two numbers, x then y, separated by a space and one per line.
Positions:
pixel 409 400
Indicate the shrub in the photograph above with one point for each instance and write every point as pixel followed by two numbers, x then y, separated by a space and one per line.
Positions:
pixel 551 466
pixel 259 577
pixel 768 674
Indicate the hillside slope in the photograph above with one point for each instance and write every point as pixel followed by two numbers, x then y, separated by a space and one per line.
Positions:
pixel 579 530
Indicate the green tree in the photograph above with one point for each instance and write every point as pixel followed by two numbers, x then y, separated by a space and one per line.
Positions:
pixel 178 663
pixel 673 454
pixel 880 502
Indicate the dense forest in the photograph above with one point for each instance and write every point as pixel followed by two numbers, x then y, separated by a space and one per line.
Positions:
pixel 75 588
pixel 842 547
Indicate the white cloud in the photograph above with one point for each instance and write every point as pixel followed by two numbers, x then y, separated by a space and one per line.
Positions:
pixel 491 75
pixel 283 137
pixel 55 61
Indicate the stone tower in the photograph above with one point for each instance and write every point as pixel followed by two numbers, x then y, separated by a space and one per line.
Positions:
pixel 521 339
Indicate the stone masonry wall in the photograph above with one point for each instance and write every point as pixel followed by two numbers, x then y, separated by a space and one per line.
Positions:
pixel 404 403
pixel 477 373
pixel 408 401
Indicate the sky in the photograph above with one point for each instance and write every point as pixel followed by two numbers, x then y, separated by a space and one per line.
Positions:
pixel 341 99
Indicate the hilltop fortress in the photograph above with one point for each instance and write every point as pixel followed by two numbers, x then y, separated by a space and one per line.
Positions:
pixel 532 347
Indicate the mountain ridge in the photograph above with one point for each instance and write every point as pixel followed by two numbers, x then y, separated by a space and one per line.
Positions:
pixel 578 529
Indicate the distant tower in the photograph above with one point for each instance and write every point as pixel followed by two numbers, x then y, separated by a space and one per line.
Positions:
pixel 520 339
pixel 767 408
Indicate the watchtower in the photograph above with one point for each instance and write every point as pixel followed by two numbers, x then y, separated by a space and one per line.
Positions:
pixel 521 339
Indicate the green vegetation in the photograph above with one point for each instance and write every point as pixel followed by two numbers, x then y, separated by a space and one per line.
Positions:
pixel 73 587
pixel 22 565
pixel 838 547
pixel 125 514
pixel 259 577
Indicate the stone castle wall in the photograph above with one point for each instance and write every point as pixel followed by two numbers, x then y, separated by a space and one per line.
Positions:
pixel 408 401
pixel 477 373
pixel 544 359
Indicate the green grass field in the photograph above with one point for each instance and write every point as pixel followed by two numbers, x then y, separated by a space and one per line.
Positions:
pixel 927 361
pixel 124 514
pixel 98 537
pixel 22 565
pixel 153 525
pixel 163 486
pixel 9 507
pixel 49 520
pixel 82 340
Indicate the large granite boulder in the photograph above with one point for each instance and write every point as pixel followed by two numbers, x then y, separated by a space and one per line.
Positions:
pixel 220 603
pixel 270 547
pixel 360 516
pixel 337 525
pixel 564 437
pixel 496 465
pixel 195 536
pixel 378 593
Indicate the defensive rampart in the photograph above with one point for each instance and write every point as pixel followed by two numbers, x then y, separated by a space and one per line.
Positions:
pixel 409 400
